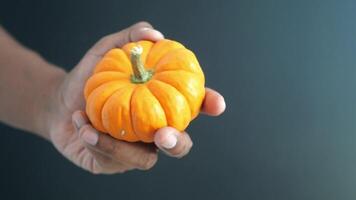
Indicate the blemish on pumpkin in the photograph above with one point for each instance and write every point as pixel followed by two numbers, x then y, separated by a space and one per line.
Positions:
pixel 123 132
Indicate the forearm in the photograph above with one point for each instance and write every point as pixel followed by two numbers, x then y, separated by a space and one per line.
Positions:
pixel 26 85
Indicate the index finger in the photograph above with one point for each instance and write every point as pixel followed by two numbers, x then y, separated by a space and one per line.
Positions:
pixel 138 31
pixel 137 155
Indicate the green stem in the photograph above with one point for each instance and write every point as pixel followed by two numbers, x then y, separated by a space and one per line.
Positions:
pixel 141 75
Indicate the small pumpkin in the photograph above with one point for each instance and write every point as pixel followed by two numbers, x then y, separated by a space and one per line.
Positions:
pixel 142 87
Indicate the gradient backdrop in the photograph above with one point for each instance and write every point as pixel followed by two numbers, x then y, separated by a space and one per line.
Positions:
pixel 286 68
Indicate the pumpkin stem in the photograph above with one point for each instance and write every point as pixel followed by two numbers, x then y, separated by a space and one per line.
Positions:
pixel 141 75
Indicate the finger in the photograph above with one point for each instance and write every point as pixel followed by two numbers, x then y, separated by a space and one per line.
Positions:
pixel 79 119
pixel 172 142
pixel 100 163
pixel 137 155
pixel 138 31
pixel 103 164
pixel 133 155
pixel 214 103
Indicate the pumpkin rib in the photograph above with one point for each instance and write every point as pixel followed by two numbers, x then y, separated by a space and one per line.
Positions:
pixel 107 106
pixel 162 44
pixel 104 107
pixel 173 61
pixel 185 98
pixel 133 130
pixel 170 51
pixel 101 126
pixel 111 64
pixel 160 76
pixel 105 101
pixel 119 56
pixel 166 108
pixel 132 114
pixel 177 70
pixel 99 77
pixel 165 114
pixel 174 71
pixel 104 84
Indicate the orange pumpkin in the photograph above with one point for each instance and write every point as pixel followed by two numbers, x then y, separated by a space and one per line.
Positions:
pixel 143 87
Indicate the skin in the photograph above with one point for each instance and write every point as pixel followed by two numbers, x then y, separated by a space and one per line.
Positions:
pixel 45 100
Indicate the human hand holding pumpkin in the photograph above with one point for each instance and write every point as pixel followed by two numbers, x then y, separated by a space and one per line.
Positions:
pixel 73 135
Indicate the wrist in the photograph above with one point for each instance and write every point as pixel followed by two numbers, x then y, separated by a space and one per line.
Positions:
pixel 46 108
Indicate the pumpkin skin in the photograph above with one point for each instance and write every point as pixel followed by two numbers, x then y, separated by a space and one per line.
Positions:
pixel 132 111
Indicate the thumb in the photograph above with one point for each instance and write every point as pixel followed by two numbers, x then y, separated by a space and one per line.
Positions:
pixel 76 79
pixel 138 31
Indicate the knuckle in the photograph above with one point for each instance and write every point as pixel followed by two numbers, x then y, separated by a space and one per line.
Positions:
pixel 96 49
pixel 84 129
pixel 143 24
pixel 105 39
pixel 96 168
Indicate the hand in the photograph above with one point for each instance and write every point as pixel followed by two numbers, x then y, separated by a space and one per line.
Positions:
pixel 74 137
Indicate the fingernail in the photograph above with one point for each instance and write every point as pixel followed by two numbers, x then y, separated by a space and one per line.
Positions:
pixel 78 120
pixel 90 137
pixel 170 141
pixel 222 104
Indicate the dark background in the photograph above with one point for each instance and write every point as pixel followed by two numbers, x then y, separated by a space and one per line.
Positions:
pixel 287 70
